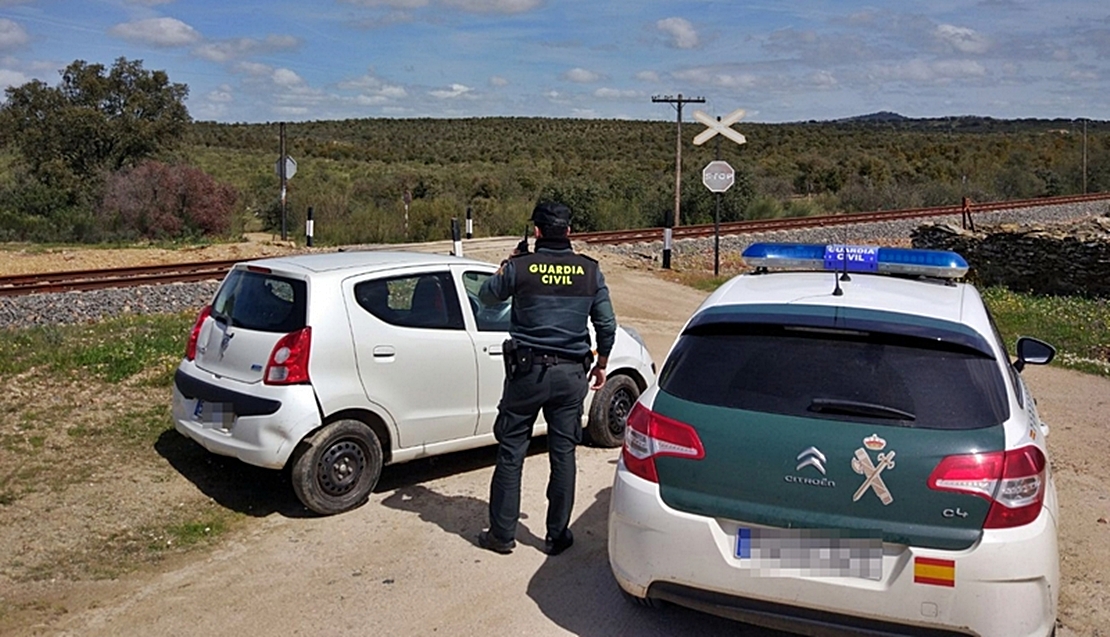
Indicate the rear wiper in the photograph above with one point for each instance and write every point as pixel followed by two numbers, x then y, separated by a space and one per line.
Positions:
pixel 858 408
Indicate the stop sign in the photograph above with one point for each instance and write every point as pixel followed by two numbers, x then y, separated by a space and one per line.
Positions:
pixel 718 176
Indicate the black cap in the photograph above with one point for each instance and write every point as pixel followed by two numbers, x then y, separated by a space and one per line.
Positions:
pixel 549 214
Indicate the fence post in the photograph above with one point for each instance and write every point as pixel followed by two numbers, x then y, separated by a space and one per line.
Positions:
pixel 456 241
pixel 668 226
pixel 308 228
pixel 469 224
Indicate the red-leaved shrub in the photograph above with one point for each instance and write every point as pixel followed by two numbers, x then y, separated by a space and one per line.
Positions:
pixel 160 201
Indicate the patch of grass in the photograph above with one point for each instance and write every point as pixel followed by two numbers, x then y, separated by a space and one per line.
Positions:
pixel 143 426
pixel 1079 328
pixel 193 532
pixel 113 350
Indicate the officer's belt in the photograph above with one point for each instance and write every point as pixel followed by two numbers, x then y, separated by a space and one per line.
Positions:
pixel 548 359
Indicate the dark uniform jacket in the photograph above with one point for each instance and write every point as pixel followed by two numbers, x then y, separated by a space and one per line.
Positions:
pixel 554 292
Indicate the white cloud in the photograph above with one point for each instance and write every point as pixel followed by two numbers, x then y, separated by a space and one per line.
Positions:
pixel 612 93
pixel 373 90
pixel 456 90
pixel 470 6
pixel 291 110
pixel 394 92
pixel 932 72
pixel 222 95
pixel 253 68
pixel 12 34
pixel 497 80
pixel 647 76
pixel 682 33
pixel 227 50
pixel 396 4
pixel 1083 76
pixel 157 32
pixel 962 39
pixel 12 78
pixel 363 83
pixel 494 6
pixel 709 77
pixel 287 78
pixel 823 79
pixel 582 76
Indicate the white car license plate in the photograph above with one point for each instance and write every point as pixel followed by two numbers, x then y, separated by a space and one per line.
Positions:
pixel 214 415
pixel 810 552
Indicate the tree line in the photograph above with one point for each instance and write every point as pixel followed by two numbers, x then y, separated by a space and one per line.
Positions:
pixel 111 154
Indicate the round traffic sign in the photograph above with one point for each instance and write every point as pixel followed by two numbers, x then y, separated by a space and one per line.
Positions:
pixel 718 176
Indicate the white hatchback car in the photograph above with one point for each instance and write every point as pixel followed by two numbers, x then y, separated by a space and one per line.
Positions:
pixel 334 365
pixel 847 449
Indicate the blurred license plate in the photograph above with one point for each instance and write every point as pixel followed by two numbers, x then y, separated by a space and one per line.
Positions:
pixel 811 552
pixel 214 415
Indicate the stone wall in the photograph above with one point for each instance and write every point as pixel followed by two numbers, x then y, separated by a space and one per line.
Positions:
pixel 1070 258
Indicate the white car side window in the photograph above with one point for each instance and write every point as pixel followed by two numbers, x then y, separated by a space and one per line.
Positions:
pixel 423 301
pixel 488 318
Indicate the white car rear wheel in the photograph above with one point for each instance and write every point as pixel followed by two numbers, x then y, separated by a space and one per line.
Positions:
pixel 336 468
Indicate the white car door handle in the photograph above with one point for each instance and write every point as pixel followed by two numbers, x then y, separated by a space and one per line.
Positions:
pixel 494 350
pixel 384 351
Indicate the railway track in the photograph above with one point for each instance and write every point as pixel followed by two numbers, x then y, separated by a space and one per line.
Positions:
pixel 770 225
pixel 65 281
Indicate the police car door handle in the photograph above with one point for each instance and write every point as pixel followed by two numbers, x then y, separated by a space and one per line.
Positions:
pixel 494 350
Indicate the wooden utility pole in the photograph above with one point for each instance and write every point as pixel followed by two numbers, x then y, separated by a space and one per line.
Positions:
pixel 1084 155
pixel 678 102
pixel 281 174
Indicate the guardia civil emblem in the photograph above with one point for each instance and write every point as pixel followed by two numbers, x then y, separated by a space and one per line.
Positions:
pixel 873 471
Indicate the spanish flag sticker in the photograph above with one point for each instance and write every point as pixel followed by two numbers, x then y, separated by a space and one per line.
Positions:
pixel 927 570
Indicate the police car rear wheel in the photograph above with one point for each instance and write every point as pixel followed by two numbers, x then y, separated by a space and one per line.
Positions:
pixel 609 411
pixel 336 468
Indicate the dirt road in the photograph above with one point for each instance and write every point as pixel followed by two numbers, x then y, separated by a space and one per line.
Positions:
pixel 406 563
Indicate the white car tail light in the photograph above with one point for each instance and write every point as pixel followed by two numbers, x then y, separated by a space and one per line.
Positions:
pixel 649 436
pixel 288 364
pixel 191 345
pixel 1012 481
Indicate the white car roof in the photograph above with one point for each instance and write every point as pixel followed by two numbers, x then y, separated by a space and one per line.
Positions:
pixel 362 261
pixel 934 298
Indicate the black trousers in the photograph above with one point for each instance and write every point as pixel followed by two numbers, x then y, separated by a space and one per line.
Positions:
pixel 558 390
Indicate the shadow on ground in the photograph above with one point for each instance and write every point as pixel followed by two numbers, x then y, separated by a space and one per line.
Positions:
pixel 259 492
pixel 576 591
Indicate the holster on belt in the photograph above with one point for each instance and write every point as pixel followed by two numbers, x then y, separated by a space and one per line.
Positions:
pixel 517 358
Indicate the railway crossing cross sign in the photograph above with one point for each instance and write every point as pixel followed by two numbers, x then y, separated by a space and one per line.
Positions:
pixel 724 127
pixel 718 176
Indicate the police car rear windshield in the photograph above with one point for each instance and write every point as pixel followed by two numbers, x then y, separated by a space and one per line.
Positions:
pixel 837 374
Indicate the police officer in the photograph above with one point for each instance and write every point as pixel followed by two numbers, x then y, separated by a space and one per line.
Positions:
pixel 548 359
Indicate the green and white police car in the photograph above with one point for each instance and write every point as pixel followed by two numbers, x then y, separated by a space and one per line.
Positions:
pixel 839 441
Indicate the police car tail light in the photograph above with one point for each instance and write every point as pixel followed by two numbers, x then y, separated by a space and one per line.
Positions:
pixel 649 436
pixel 1012 481
pixel 194 335
pixel 288 364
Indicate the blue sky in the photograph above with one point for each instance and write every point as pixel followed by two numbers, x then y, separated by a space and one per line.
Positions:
pixel 779 60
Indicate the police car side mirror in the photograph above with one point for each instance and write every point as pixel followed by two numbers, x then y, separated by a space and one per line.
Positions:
pixel 1034 352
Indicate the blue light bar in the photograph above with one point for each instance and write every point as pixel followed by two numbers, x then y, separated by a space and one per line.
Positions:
pixel 835 257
